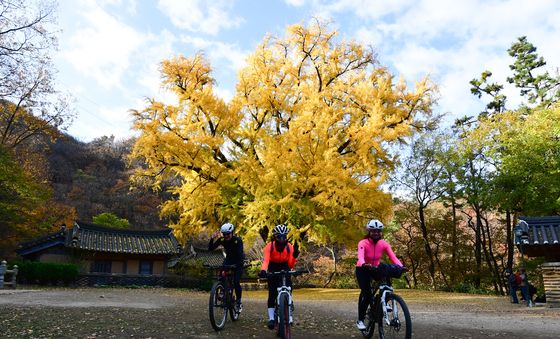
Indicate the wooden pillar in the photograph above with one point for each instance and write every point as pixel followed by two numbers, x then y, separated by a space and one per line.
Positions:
pixel 551 278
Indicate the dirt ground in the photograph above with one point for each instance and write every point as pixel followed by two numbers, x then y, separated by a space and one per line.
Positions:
pixel 176 313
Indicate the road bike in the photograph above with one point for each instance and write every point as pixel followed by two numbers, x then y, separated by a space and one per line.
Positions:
pixel 222 297
pixel 387 309
pixel 284 306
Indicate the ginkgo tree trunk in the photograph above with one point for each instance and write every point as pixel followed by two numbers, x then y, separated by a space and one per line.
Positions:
pixel 304 141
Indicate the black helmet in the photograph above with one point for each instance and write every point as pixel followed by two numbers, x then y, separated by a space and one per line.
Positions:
pixel 280 230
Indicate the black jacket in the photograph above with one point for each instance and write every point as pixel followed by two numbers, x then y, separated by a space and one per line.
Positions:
pixel 233 248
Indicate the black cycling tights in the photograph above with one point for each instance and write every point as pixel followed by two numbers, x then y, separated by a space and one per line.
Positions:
pixel 363 276
pixel 276 281
pixel 237 281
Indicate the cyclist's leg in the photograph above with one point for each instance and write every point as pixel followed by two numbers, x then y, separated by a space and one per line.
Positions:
pixel 513 293
pixel 272 294
pixel 363 277
pixel 237 282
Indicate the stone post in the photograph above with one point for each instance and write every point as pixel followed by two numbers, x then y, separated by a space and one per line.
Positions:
pixel 14 277
pixel 3 266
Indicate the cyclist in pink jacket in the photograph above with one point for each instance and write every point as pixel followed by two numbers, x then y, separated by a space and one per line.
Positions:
pixel 370 251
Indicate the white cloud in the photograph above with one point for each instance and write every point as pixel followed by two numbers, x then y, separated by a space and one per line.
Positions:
pixel 217 51
pixel 119 44
pixel 454 42
pixel 104 120
pixel 102 48
pixel 200 16
pixel 295 3
pixel 157 49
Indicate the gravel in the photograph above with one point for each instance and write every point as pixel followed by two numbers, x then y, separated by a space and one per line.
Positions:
pixel 176 313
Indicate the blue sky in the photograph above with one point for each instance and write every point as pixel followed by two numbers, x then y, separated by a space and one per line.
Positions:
pixel 110 50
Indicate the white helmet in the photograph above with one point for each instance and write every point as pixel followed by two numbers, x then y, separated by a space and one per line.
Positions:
pixel 374 224
pixel 280 230
pixel 227 228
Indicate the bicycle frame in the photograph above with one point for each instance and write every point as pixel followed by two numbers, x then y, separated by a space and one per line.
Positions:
pixel 384 289
pixel 388 310
pixel 283 290
pixel 226 277
pixel 221 297
pixel 284 294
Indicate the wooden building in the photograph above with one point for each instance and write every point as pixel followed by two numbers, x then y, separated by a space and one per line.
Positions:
pixel 108 255
pixel 540 237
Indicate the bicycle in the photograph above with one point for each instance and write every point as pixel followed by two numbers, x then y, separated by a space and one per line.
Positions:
pixel 222 297
pixel 388 310
pixel 284 307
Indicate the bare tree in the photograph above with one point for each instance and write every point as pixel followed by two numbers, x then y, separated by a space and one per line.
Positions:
pixel 420 177
pixel 29 103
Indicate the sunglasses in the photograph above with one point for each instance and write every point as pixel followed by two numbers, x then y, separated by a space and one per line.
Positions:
pixel 281 237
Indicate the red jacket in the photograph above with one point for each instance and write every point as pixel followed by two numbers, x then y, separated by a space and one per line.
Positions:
pixel 272 255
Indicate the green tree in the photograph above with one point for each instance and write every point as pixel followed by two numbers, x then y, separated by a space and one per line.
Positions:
pixel 540 89
pixel 529 148
pixel 481 86
pixel 19 196
pixel 305 140
pixel 109 219
pixel 543 91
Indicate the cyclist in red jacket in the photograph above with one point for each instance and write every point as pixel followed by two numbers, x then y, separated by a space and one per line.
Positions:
pixel 279 255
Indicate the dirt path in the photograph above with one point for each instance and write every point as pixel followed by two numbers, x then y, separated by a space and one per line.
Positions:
pixel 172 313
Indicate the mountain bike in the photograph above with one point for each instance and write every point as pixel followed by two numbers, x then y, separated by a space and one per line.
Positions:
pixel 284 306
pixel 222 297
pixel 387 309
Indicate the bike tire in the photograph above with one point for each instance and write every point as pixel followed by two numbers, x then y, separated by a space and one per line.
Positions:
pixel 369 321
pixel 284 327
pixel 233 312
pixel 217 306
pixel 400 323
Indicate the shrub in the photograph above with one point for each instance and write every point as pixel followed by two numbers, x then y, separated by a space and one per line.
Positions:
pixel 344 281
pixel 46 273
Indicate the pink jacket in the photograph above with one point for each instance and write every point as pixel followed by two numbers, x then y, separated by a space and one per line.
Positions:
pixel 370 252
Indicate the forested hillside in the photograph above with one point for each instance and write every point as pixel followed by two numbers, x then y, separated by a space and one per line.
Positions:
pixel 93 178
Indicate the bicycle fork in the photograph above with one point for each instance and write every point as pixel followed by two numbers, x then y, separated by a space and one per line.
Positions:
pixel 386 289
pixel 286 290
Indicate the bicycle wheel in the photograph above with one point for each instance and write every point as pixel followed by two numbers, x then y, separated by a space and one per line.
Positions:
pixel 217 306
pixel 399 322
pixel 233 311
pixel 369 321
pixel 284 317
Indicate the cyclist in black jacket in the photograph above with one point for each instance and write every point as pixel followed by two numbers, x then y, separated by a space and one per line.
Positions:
pixel 233 246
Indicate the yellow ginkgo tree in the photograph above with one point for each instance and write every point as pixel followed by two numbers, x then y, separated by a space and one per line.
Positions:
pixel 304 141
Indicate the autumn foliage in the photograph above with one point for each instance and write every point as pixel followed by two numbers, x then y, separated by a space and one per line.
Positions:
pixel 304 141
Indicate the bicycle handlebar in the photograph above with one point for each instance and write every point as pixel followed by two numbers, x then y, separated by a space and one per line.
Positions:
pixel 386 273
pixel 220 267
pixel 295 273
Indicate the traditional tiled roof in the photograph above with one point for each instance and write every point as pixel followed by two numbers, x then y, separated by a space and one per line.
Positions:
pixel 538 230
pixel 41 243
pixel 539 236
pixel 98 238
pixel 104 239
pixel 202 256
